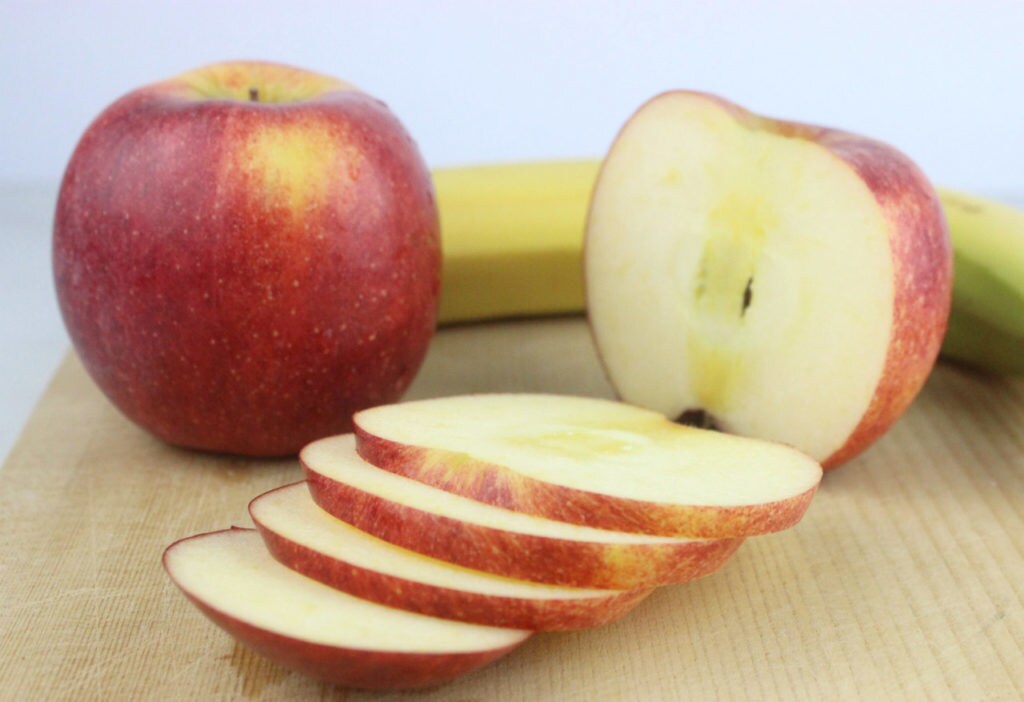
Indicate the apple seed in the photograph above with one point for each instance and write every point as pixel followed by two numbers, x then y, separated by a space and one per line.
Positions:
pixel 748 295
pixel 702 419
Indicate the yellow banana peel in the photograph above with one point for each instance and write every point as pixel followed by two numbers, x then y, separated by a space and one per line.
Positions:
pixel 986 323
pixel 512 236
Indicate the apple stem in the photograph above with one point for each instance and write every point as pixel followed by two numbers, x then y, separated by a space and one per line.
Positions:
pixel 254 94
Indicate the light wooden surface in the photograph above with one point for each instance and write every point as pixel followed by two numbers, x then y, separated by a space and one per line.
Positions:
pixel 904 581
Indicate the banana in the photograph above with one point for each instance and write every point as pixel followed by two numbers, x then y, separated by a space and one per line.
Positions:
pixel 986 324
pixel 512 236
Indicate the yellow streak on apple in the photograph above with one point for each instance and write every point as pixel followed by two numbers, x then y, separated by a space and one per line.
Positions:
pixel 586 442
pixel 725 278
pixel 595 446
pixel 295 165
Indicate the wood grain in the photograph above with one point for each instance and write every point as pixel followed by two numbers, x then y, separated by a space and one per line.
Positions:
pixel 904 581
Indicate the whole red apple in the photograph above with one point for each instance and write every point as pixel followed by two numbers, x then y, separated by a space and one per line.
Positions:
pixel 246 254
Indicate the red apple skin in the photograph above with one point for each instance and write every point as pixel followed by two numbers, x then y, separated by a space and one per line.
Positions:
pixel 447 603
pixel 354 668
pixel 523 556
pixel 242 276
pixel 499 486
pixel 349 667
pixel 922 254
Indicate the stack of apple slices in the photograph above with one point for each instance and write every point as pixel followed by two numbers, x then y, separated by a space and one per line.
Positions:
pixel 443 532
pixel 311 541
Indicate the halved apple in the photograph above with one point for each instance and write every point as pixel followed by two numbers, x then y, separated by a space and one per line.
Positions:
pixel 766 278
pixel 307 539
pixel 476 535
pixel 592 462
pixel 320 631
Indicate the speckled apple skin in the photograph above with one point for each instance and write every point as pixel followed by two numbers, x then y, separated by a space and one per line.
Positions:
pixel 501 486
pixel 589 564
pixel 922 256
pixel 351 667
pixel 234 301
pixel 448 603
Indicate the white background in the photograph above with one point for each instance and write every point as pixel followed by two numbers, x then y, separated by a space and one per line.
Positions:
pixel 484 81
pixel 943 80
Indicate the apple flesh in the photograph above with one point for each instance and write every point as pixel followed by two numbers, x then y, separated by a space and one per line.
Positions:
pixel 766 278
pixel 246 254
pixel 319 631
pixel 476 535
pixel 310 541
pixel 592 462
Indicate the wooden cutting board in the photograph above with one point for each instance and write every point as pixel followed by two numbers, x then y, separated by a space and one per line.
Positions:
pixel 905 580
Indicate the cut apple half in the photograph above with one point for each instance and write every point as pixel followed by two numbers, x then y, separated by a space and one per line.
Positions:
pixel 591 462
pixel 307 539
pixel 319 631
pixel 476 535
pixel 765 278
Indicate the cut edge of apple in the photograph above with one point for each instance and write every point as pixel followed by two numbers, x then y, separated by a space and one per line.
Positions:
pixel 476 535
pixel 591 462
pixel 317 630
pixel 302 536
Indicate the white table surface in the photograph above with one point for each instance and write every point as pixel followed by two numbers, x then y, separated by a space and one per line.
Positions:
pixel 32 334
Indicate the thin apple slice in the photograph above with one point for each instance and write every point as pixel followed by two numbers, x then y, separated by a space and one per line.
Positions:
pixel 317 630
pixel 307 539
pixel 476 535
pixel 592 462
pixel 774 279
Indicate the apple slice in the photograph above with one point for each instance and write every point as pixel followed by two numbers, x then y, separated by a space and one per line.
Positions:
pixel 476 535
pixel 320 631
pixel 767 278
pixel 307 539
pixel 592 462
